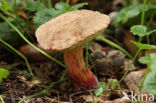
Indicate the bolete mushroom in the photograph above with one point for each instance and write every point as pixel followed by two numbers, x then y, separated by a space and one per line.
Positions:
pixel 68 33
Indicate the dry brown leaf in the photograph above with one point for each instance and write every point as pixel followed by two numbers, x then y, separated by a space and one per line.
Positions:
pixel 133 81
pixel 22 13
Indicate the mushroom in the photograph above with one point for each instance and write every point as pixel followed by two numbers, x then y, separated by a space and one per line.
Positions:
pixel 68 33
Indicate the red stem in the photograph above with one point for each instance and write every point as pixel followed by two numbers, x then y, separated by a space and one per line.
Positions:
pixel 77 70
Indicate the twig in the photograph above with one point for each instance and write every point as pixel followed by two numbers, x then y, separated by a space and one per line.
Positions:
pixel 11 94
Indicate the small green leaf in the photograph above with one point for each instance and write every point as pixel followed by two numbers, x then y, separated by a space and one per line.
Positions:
pixel 152 65
pixel 60 5
pixel 34 5
pixel 149 60
pixel 8 34
pixel 130 12
pixel 139 30
pixel 5 6
pixel 77 6
pixel 3 74
pixel 45 15
pixel 1 99
pixel 143 46
pixel 127 13
pixel 150 6
pixel 144 59
pixel 98 91
pixel 150 83
pixel 114 83
pixel 152 56
pixel 102 86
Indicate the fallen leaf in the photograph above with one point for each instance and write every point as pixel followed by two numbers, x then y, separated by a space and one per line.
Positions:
pixel 22 13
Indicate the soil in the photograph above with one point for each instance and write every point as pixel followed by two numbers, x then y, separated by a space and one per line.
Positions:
pixel 49 76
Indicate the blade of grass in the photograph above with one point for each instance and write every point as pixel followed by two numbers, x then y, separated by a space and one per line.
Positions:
pixel 67 2
pixel 43 1
pixel 129 67
pixel 100 38
pixel 92 65
pixel 20 54
pixel 46 91
pixel 143 13
pixel 1 99
pixel 148 25
pixel 49 3
pixel 88 58
pixel 26 40
pixel 15 7
pixel 21 101
pixel 142 18
pixel 87 53
pixel 142 83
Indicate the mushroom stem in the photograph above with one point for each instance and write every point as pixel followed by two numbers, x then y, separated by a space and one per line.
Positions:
pixel 77 70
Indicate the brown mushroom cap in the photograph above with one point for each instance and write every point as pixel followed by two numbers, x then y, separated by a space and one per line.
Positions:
pixel 71 29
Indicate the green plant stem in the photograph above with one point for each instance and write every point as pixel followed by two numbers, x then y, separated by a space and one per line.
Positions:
pixel 153 39
pixel 8 13
pixel 148 25
pixel 88 58
pixel 142 18
pixel 43 1
pixel 129 67
pixel 142 84
pixel 150 20
pixel 147 39
pixel 100 38
pixel 148 35
pixel 67 3
pixel 26 40
pixel 57 82
pixel 152 31
pixel 46 91
pixel 93 65
pixel 15 8
pixel 1 99
pixel 143 13
pixel 87 53
pixel 63 75
pixel 20 54
pixel 17 18
pixel 49 3
pixel 21 101
pixel 140 39
pixel 60 80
